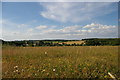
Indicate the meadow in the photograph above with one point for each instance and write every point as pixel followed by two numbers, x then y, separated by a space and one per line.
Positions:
pixel 60 62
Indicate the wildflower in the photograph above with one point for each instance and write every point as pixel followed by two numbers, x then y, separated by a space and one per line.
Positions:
pixel 111 75
pixel 54 70
pixel 43 70
pixel 6 72
pixel 22 70
pixel 56 74
pixel 35 74
pixel 15 67
pixel 47 73
pixel 16 70
pixel 38 70
pixel 29 76
pixel 45 52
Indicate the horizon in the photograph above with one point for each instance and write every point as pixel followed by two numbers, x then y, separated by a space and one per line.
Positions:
pixel 56 39
pixel 50 20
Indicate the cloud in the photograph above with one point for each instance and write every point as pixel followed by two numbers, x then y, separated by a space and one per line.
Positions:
pixel 41 27
pixel 92 30
pixel 12 25
pixel 91 25
pixel 60 1
pixel 75 12
pixel 94 26
pixel 14 31
pixel 22 25
pixel 30 30
pixel 0 28
pixel 11 32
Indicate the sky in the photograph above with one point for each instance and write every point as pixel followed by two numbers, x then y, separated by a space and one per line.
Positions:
pixel 59 20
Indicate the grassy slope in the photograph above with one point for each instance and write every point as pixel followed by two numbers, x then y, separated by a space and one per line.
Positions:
pixel 60 62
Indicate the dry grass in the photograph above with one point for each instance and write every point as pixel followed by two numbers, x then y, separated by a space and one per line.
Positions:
pixel 60 62
pixel 72 42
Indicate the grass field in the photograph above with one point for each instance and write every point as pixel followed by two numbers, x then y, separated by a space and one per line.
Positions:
pixel 60 62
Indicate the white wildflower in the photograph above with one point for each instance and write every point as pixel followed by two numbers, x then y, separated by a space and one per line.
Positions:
pixel 15 67
pixel 22 70
pixel 54 70
pixel 16 70
pixel 45 52
pixel 43 70
pixel 35 74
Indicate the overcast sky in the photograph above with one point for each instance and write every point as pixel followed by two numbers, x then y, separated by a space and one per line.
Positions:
pixel 59 20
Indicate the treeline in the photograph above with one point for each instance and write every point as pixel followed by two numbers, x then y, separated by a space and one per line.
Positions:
pixel 87 42
pixel 102 42
pixel 34 43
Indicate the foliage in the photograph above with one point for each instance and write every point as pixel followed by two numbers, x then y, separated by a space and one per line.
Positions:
pixel 85 42
pixel 98 42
